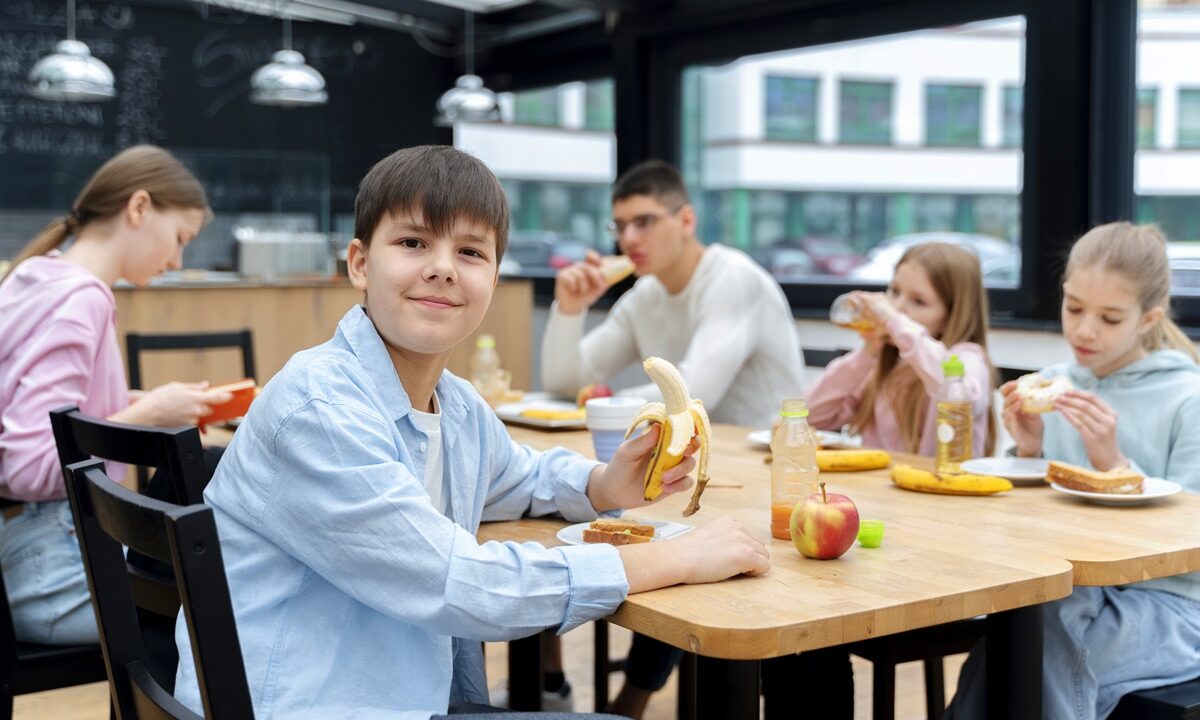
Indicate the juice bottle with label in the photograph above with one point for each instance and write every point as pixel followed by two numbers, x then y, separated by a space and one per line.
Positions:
pixel 793 465
pixel 954 432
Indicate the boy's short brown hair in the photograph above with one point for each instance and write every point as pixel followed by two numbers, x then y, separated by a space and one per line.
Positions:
pixel 655 178
pixel 439 183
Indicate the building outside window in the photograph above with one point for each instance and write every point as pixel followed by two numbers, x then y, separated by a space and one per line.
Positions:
pixel 1014 111
pixel 1147 117
pixel 865 112
pixel 791 109
pixel 536 107
pixel 952 115
pixel 1189 118
pixel 599 108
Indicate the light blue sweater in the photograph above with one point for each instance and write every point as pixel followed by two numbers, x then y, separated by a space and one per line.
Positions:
pixel 1157 400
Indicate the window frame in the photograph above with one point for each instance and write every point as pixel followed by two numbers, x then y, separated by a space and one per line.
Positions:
pixel 777 136
pixel 846 81
pixel 951 87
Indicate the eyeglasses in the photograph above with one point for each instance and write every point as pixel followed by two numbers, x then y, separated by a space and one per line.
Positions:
pixel 639 223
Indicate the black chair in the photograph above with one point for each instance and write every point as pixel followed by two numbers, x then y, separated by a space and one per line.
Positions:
pixel 29 668
pixel 108 516
pixel 136 343
pixel 1173 702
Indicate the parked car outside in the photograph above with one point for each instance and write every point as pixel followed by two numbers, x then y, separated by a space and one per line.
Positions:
pixel 832 256
pixel 992 253
pixel 1184 258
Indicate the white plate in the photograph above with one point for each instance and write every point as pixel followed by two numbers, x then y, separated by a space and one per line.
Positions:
pixel 1018 469
pixel 511 412
pixel 573 534
pixel 828 439
pixel 1152 489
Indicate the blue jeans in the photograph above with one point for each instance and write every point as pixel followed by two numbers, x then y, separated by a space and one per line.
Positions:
pixel 1101 644
pixel 43 573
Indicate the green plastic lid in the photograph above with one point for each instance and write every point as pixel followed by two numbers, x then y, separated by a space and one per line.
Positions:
pixel 793 408
pixel 487 341
pixel 953 367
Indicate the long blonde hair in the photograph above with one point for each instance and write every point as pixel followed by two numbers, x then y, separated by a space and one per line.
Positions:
pixel 1139 254
pixel 142 167
pixel 956 278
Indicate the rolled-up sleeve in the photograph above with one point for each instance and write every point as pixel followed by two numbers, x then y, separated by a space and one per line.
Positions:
pixel 342 503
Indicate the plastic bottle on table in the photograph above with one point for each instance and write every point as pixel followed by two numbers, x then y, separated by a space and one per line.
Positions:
pixel 954 431
pixel 793 465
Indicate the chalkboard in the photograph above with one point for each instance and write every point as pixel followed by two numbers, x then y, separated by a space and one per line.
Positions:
pixel 182 78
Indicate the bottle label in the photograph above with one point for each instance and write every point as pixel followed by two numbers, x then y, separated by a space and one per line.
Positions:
pixel 945 433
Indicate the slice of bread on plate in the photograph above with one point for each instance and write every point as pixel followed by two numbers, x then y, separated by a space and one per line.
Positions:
pixel 1118 481
pixel 618 532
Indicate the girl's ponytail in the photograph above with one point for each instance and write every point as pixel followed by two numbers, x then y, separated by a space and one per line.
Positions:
pixel 1166 334
pixel 50 237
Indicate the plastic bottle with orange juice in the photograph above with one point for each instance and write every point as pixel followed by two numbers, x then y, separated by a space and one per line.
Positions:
pixel 793 465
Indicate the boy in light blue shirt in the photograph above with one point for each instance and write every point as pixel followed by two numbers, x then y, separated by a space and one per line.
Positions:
pixel 349 499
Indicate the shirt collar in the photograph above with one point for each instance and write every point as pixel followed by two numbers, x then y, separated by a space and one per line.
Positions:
pixel 367 345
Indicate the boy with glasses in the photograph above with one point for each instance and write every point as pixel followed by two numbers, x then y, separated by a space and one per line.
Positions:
pixel 712 311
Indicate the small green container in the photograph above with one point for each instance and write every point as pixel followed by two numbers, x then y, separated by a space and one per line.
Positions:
pixel 870 533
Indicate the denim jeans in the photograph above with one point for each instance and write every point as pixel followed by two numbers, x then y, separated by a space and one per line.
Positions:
pixel 43 573
pixel 1101 644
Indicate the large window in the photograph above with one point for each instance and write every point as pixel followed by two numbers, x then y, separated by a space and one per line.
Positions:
pixel 791 108
pixel 557 178
pixel 865 112
pixel 952 115
pixel 1167 164
pixel 1146 121
pixel 892 159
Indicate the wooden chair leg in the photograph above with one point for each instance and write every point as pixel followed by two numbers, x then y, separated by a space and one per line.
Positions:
pixel 883 691
pixel 600 664
pixel 935 688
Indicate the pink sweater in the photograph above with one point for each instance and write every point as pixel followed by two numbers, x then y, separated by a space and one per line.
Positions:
pixel 835 397
pixel 58 346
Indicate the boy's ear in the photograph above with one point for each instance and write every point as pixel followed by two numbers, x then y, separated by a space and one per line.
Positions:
pixel 687 216
pixel 356 264
pixel 136 208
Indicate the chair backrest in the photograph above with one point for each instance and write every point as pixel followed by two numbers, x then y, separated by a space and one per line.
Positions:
pixel 135 343
pixel 108 516
pixel 176 451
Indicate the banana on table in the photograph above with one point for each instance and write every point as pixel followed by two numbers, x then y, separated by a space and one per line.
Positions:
pixel 911 478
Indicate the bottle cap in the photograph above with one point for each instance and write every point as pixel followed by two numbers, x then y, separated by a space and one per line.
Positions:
pixel 793 408
pixel 485 341
pixel 953 367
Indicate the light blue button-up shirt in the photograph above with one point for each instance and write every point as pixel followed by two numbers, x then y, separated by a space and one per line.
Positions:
pixel 350 590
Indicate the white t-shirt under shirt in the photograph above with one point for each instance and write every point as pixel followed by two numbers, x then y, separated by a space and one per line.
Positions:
pixel 435 480
pixel 729 331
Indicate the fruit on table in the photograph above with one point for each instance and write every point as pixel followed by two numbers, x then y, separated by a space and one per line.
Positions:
pixel 587 392
pixel 851 460
pixel 552 414
pixel 824 525
pixel 911 478
pixel 681 418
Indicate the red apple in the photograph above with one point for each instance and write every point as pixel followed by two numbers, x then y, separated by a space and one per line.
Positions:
pixel 587 392
pixel 824 526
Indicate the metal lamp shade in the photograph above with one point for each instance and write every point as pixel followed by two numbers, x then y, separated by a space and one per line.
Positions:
pixel 71 73
pixel 467 101
pixel 287 81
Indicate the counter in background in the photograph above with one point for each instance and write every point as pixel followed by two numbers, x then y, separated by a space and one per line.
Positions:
pixel 286 318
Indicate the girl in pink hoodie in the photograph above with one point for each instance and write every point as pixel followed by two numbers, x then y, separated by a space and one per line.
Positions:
pixel 58 347
pixel 935 306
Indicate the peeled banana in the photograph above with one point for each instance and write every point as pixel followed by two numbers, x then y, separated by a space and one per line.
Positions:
pixel 681 418
pixel 850 460
pixel 911 478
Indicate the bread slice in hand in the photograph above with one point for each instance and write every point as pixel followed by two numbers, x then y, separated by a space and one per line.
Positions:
pixel 1118 481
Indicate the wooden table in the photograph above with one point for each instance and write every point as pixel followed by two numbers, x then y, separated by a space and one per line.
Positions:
pixel 944 558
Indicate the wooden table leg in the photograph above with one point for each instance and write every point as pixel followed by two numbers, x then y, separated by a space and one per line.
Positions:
pixel 1014 664
pixel 525 673
pixel 726 689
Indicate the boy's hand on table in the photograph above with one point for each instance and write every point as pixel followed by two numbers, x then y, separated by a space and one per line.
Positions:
pixel 579 286
pixel 621 484
pixel 712 552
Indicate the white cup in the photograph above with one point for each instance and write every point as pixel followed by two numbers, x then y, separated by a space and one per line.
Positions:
pixel 608 418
